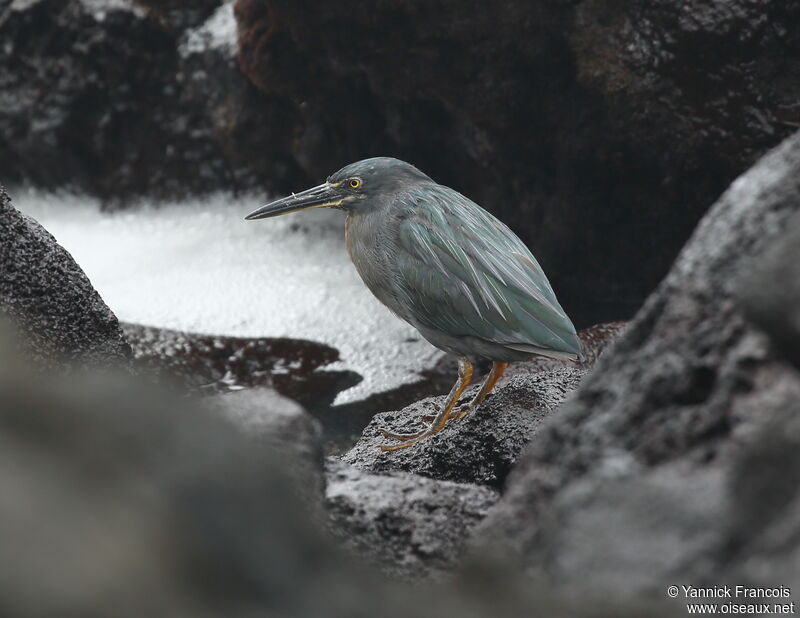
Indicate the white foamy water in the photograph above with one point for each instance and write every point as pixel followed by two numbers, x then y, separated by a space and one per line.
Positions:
pixel 198 266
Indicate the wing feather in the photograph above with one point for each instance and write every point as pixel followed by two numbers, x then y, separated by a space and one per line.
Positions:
pixel 463 272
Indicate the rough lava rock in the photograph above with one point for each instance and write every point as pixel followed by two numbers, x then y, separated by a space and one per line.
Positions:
pixel 676 460
pixel 46 295
pixel 410 526
pixel 168 506
pixel 481 447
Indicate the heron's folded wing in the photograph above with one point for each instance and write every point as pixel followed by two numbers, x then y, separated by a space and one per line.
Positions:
pixel 464 272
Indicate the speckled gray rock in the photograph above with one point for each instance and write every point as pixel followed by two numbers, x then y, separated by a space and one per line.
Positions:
pixel 48 297
pixel 771 293
pixel 480 448
pixel 285 428
pixel 683 413
pixel 410 526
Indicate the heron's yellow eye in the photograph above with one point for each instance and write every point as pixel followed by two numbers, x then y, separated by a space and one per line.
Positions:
pixel 354 183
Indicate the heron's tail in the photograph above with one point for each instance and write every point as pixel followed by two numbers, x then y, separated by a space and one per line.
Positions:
pixel 577 357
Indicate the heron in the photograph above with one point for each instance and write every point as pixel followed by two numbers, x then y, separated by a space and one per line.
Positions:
pixel 446 266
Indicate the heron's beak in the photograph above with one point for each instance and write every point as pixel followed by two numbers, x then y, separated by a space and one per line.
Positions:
pixel 321 196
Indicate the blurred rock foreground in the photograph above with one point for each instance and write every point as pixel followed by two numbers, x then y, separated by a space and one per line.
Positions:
pixel 599 130
pixel 118 502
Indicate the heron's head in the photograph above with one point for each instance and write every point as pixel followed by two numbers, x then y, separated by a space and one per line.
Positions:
pixel 358 185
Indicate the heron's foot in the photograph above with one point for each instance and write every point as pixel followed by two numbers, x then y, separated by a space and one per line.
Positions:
pixel 443 415
pixel 435 425
pixel 410 441
pixel 403 437
pixel 429 419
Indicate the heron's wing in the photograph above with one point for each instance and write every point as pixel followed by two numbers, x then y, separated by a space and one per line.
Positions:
pixel 464 272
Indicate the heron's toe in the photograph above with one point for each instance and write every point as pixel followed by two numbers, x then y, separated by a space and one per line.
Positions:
pixel 463 411
pixel 406 440
pixel 403 436
pixel 396 447
pixel 430 418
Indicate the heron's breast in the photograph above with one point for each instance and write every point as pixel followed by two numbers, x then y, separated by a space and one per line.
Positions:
pixel 370 249
pixel 363 244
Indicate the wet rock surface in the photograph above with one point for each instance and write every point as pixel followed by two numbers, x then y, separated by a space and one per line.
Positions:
pixel 215 363
pixel 46 295
pixel 411 527
pixel 481 447
pixel 297 369
pixel 692 410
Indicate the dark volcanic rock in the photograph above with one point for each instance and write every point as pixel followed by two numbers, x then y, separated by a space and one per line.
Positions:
pixel 109 97
pixel 691 413
pixel 49 299
pixel 771 293
pixel 216 363
pixel 480 448
pixel 408 525
pixel 599 130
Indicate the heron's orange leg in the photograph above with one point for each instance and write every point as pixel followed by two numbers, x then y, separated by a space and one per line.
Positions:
pixel 464 378
pixel 498 369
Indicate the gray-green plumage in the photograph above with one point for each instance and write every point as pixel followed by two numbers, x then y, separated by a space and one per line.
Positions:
pixel 442 263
